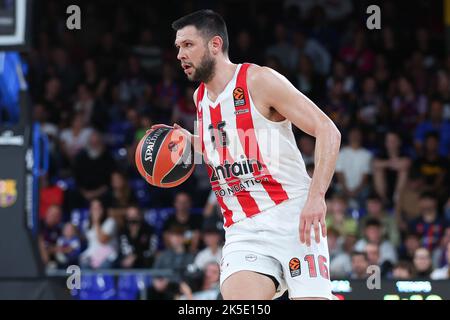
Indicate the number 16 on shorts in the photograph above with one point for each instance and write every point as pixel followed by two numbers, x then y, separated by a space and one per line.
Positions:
pixel 312 263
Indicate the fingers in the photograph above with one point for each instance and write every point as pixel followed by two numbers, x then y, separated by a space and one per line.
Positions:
pixel 324 227
pixel 302 230
pixel 316 230
pixel 160 125
pixel 308 232
pixel 305 230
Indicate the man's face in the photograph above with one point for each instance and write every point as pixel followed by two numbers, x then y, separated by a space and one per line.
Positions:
pixel 193 52
pixel 182 202
pixel 427 205
pixel 373 234
pixel 359 264
pixel 373 253
pixel 53 216
pixel 422 260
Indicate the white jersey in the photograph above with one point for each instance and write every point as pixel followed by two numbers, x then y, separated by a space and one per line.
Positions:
pixel 253 163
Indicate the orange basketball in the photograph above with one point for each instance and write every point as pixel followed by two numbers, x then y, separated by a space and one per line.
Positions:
pixel 164 157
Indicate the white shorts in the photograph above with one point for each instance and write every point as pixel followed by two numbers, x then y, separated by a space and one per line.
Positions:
pixel 269 243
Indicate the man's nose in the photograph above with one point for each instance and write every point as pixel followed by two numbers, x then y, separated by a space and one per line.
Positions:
pixel 181 54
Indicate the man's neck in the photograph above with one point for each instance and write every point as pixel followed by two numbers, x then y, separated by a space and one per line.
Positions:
pixel 224 72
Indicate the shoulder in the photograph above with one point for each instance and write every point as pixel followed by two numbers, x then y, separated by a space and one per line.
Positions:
pixel 261 75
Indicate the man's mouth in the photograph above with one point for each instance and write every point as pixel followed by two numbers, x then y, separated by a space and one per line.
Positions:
pixel 187 68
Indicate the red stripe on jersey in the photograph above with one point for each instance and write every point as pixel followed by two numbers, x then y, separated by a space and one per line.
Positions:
pixel 248 204
pixel 226 212
pixel 244 123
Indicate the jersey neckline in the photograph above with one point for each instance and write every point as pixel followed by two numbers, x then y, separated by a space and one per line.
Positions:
pixel 215 103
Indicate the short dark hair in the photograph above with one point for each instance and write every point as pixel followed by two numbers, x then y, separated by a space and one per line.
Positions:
pixel 373 222
pixel 208 23
pixel 359 253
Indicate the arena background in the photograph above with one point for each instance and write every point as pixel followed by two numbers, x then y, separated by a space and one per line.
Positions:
pixel 74 103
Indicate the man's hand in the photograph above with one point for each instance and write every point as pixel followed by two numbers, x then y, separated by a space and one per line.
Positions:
pixel 186 133
pixel 313 213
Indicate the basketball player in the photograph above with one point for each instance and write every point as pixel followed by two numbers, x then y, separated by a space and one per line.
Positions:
pixel 274 213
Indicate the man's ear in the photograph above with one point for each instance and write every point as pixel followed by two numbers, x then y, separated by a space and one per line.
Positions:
pixel 216 44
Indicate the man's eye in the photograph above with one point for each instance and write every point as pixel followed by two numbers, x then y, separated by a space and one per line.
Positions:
pixel 188 44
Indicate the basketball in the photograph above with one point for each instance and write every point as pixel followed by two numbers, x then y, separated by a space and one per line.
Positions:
pixel 164 157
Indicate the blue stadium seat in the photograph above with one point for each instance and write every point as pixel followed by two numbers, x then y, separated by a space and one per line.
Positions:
pixel 97 287
pixel 141 191
pixel 117 133
pixel 128 286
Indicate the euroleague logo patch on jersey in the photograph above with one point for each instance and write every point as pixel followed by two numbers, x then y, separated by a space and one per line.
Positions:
pixel 294 267
pixel 238 97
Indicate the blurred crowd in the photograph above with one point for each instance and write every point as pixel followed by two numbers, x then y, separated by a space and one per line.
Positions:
pixel 97 90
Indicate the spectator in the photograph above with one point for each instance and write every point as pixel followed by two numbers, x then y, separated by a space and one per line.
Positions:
pixel 68 246
pixel 357 55
pixel 444 272
pixel 341 74
pixel 373 256
pixel 434 123
pixel 101 252
pixel 148 52
pixel 375 210
pixel 407 207
pixel 307 80
pixel 75 138
pixel 408 106
pixel 429 226
pixel 338 218
pixel 93 80
pixel 368 104
pixel 185 112
pixel 359 265
pixel 49 195
pixel 338 105
pixel 175 257
pixel 49 232
pixel 422 263
pixel 353 168
pixel 403 270
pixel 132 85
pixel 120 195
pixel 317 54
pixel 212 237
pixel 209 286
pixel 188 222
pixel 409 247
pixel 168 94
pixel 340 261
pixel 431 165
pixel 373 234
pixel 93 168
pixel 137 241
pixel 212 214
pixel 281 49
pixel 390 169
pixel 439 255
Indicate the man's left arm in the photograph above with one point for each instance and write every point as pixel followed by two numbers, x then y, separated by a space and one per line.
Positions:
pixel 270 89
